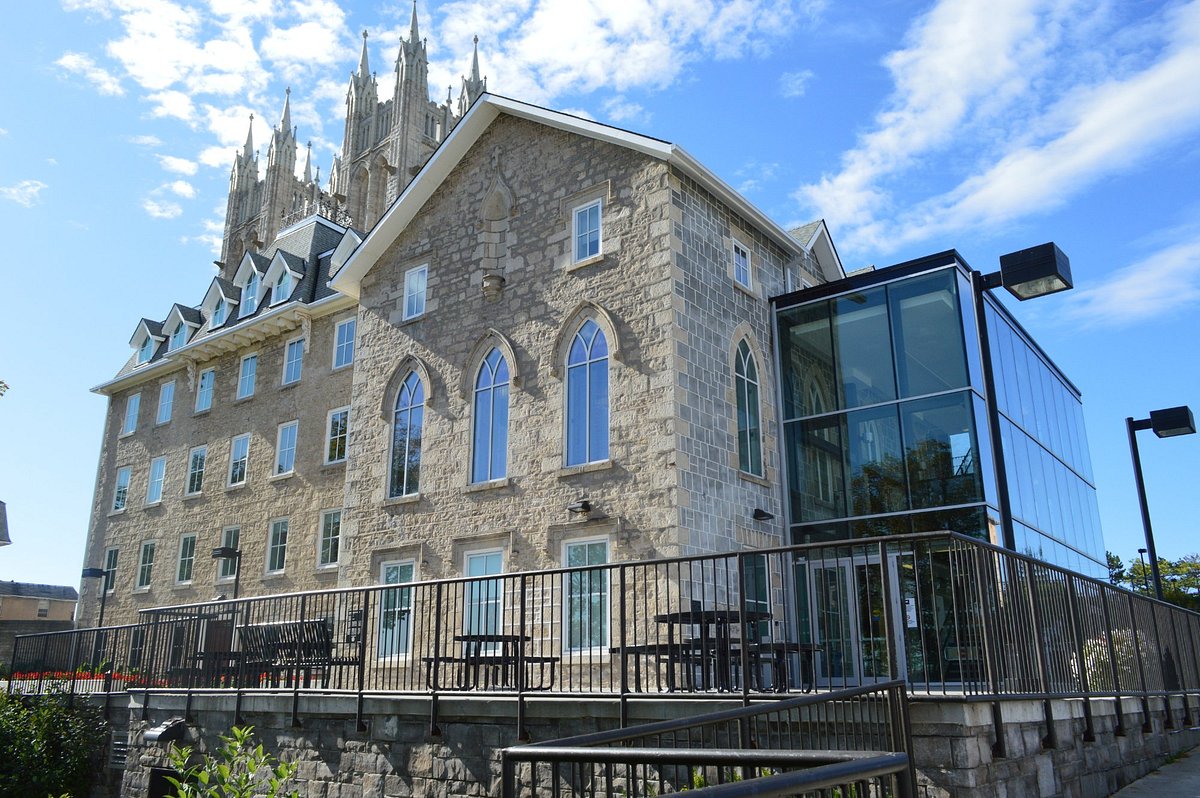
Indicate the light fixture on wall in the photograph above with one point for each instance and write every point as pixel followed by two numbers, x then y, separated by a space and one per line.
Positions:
pixel 1033 272
pixel 760 514
pixel 580 507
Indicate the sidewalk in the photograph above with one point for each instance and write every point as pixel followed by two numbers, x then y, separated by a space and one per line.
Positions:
pixel 1179 778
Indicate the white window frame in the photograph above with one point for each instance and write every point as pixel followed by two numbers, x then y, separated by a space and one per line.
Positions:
pixel 192 471
pixel 576 212
pixel 273 545
pixel 602 646
pixel 232 541
pixel 109 582
pixel 219 314
pixel 178 336
pixel 204 396
pixel 297 345
pixel 166 403
pixel 423 270
pixel 279 451
pixel 466 619
pixel 145 572
pixel 329 434
pixel 183 542
pixel 737 247
pixel 159 464
pixel 242 392
pixel 405 648
pixel 121 489
pixel 249 302
pixel 278 296
pixel 322 563
pixel 133 407
pixel 146 349
pixel 229 483
pixel 340 346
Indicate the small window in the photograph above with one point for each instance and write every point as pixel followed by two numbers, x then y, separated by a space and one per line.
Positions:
pixel 195 479
pixel 239 459
pixel 220 311
pixel 343 344
pixel 121 492
pixel 231 537
pixel 283 287
pixel 146 565
pixel 187 559
pixel 146 350
pixel 586 610
pixel 43 609
pixel 132 406
pixel 158 472
pixel 250 294
pixel 293 361
pixel 246 376
pixel 285 448
pixel 415 282
pixel 178 337
pixel 110 570
pixel 331 534
pixel 204 390
pixel 277 546
pixel 338 434
pixel 586 231
pixel 166 401
pixel 741 265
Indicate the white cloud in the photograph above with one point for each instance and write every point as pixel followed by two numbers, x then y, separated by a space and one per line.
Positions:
pixel 173 104
pixel 146 141
pixel 217 157
pixel 753 175
pixel 794 84
pixel 23 193
pixel 161 210
pixel 82 64
pixel 181 188
pixel 52 161
pixel 1161 283
pixel 180 166
pixel 618 109
pixel 3 131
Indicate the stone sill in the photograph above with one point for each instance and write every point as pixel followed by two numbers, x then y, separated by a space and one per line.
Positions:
pixel 581 264
pixel 411 498
pixel 492 484
pixel 585 468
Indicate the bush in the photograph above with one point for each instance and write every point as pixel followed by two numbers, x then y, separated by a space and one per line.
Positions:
pixel 237 770
pixel 49 746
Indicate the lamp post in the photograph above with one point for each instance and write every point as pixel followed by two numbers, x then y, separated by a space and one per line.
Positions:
pixel 1145 579
pixel 1168 423
pixel 230 553
pixel 1026 274
pixel 102 575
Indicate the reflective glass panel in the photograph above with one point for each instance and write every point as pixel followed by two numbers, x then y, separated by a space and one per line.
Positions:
pixel 806 359
pixel 860 330
pixel 940 451
pixel 875 461
pixel 926 330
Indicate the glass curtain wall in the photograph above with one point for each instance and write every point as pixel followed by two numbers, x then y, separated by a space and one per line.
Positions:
pixel 885 425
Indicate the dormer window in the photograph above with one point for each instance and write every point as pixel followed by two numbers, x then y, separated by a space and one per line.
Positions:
pixel 178 337
pixel 146 351
pixel 283 287
pixel 250 294
pixel 219 313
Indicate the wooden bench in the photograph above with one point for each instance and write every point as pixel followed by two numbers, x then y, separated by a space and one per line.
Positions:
pixel 291 649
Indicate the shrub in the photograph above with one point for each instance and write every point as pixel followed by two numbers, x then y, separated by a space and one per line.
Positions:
pixel 237 770
pixel 50 746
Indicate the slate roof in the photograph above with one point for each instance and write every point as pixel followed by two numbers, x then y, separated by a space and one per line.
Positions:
pixel 189 314
pixel 804 233
pixel 29 590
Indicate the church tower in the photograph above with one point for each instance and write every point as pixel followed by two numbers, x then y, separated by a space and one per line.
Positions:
pixel 384 145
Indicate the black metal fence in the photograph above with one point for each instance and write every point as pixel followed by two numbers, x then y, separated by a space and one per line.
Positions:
pixel 949 615
pixel 855 740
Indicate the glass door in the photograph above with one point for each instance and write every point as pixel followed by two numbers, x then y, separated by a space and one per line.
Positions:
pixel 848 620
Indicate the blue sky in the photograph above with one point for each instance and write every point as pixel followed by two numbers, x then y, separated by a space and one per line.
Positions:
pixel 910 127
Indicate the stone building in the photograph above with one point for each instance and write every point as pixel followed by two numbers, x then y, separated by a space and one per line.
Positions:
pixel 553 347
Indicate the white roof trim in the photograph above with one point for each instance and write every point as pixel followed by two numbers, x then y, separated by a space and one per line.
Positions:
pixel 141 332
pixel 242 274
pixel 485 110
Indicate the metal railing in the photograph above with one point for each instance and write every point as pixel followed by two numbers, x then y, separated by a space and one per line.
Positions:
pixel 953 617
pixel 857 736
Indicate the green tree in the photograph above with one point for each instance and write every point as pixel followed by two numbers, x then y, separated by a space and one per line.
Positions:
pixel 1117 575
pixel 49 746
pixel 238 769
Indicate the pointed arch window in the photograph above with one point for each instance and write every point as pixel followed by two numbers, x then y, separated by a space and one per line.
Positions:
pixel 178 337
pixel 250 294
pixel 587 396
pixel 219 311
pixel 146 351
pixel 283 287
pixel 489 440
pixel 406 438
pixel 749 425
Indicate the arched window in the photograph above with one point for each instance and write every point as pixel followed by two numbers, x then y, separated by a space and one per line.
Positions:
pixel 489 441
pixel 587 396
pixel 250 294
pixel 749 426
pixel 283 286
pixel 178 337
pixel 406 438
pixel 218 316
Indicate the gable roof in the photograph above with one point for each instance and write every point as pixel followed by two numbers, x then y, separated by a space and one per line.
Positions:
pixel 815 237
pixel 29 590
pixel 472 126
pixel 146 327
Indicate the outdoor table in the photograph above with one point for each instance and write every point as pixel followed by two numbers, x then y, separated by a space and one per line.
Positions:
pixel 491 660
pixel 714 636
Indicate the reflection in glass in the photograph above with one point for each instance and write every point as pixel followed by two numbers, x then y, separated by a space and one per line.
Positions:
pixel 927 334
pixel 806 359
pixel 940 451
pixel 876 465
pixel 862 334
pixel 818 485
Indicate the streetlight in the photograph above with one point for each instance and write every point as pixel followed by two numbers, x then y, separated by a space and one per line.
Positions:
pixel 1168 423
pixel 1026 274
pixel 230 553
pixel 1145 579
pixel 102 575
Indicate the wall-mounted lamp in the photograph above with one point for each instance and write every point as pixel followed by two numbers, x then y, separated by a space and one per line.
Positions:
pixel 1033 272
pixel 580 507
pixel 760 514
